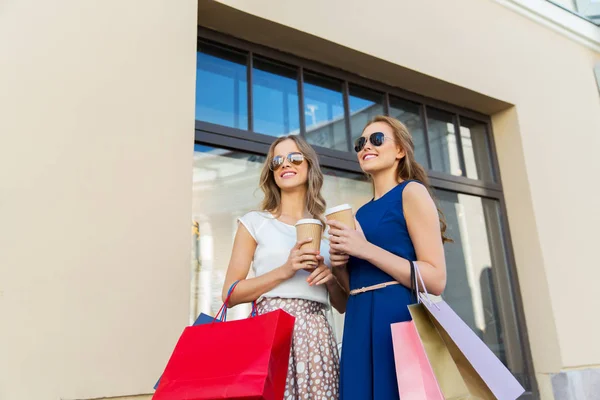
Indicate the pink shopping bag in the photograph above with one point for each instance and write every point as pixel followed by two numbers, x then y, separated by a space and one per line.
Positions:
pixel 416 380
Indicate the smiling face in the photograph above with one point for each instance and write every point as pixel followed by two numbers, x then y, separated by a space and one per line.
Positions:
pixel 289 175
pixel 373 159
pixel 300 174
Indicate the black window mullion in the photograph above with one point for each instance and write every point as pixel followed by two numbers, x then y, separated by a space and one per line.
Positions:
pixel 249 79
pixel 386 104
pixel 423 110
pixel 347 115
pixel 493 152
pixel 461 153
pixel 301 101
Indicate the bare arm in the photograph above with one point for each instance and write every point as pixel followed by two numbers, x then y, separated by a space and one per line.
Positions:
pixel 339 264
pixel 249 290
pixel 325 275
pixel 424 230
pixel 423 224
pixel 338 295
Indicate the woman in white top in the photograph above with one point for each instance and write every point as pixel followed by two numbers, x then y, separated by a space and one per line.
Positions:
pixel 291 181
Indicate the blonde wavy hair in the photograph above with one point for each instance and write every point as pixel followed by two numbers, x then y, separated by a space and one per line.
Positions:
pixel 408 167
pixel 314 200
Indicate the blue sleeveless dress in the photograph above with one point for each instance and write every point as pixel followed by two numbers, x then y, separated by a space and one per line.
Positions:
pixel 367 370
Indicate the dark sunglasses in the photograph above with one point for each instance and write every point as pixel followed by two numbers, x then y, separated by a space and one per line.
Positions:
pixel 376 140
pixel 294 158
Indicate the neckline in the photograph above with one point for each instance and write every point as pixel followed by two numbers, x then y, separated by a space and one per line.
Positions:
pixel 373 200
pixel 281 222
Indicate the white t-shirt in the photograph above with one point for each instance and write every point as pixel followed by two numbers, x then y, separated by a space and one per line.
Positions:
pixel 274 241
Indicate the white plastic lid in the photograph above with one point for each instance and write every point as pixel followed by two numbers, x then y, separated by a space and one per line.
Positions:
pixel 309 221
pixel 339 208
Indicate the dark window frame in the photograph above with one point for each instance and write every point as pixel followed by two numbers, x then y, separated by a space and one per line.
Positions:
pixel 251 142
pixel 251 49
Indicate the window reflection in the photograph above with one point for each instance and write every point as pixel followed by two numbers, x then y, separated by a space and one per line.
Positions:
pixel 225 187
pixel 476 265
pixel 221 89
pixel 275 98
pixel 476 149
pixel 409 114
pixel 442 142
pixel 339 188
pixel 222 98
pixel 364 105
pixel 324 112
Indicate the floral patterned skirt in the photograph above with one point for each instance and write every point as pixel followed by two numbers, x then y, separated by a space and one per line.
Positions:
pixel 313 372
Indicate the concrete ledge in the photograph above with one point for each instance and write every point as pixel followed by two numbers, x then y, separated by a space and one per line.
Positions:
pixel 577 384
pixel 557 18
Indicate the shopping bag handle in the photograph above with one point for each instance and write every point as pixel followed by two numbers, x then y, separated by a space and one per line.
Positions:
pixel 421 297
pixel 222 314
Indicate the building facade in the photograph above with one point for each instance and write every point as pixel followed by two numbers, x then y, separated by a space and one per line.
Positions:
pixel 113 112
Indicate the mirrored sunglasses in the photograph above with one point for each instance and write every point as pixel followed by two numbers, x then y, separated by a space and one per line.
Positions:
pixel 295 158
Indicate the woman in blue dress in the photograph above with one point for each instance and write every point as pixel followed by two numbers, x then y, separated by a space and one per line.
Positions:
pixel 401 224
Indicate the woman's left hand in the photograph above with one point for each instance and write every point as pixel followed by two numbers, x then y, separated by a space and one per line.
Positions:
pixel 348 241
pixel 321 275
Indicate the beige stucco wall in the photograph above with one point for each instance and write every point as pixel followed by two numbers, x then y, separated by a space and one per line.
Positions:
pixel 96 132
pixel 547 143
pixel 96 135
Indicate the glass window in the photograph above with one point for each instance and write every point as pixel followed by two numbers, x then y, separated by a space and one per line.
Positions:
pixel 221 89
pixel 364 105
pixel 588 9
pixel 324 112
pixel 275 98
pixel 339 188
pixel 409 114
pixel 442 142
pixel 225 182
pixel 478 275
pixel 476 149
pixel 225 187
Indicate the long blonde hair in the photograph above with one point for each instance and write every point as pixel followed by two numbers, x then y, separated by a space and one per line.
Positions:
pixel 408 167
pixel 315 203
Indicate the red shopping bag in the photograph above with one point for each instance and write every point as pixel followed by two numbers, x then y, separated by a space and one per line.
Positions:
pixel 246 359
pixel 416 380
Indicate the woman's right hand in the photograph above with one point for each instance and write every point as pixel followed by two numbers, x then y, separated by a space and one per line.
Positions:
pixel 300 259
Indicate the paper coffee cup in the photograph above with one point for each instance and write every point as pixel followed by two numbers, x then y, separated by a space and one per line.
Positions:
pixel 343 214
pixel 309 228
